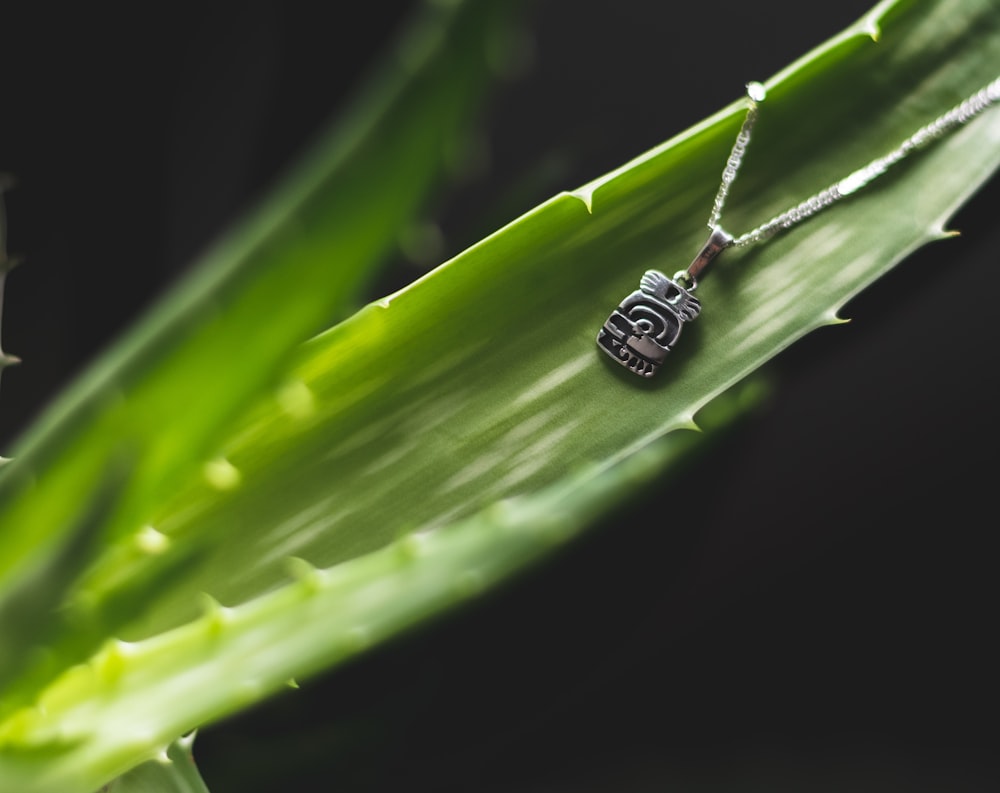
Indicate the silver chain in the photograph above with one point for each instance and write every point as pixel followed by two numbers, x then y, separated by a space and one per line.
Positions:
pixel 756 93
pixel 958 116
pixel 646 325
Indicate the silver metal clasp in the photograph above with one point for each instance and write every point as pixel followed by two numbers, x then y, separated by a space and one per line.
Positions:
pixel 717 242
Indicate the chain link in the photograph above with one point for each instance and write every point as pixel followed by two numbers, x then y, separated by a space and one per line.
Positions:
pixel 958 116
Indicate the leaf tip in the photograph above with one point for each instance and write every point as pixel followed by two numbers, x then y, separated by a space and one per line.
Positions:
pixel 307 575
pixel 687 422
pixel 296 399
pixel 832 317
pixel 221 474
pixel 412 546
pixel 586 195
pixel 214 614
pixel 871 28
pixel 109 664
pixel 150 541
pixel 870 24
pixel 162 756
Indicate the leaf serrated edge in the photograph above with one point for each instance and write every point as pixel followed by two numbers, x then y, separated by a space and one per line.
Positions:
pixel 121 707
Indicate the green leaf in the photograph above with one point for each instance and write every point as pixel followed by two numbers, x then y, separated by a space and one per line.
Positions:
pixel 171 387
pixel 41 590
pixel 287 271
pixel 173 772
pixel 482 380
pixel 480 384
pixel 235 657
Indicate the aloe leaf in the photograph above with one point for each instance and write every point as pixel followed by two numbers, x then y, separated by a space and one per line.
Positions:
pixel 323 226
pixel 174 771
pixel 235 657
pixel 482 380
pixel 42 589
pixel 519 406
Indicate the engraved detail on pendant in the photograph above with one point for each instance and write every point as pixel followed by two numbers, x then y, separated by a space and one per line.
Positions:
pixel 644 328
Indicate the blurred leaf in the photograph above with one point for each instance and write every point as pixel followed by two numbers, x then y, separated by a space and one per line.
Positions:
pixel 130 699
pixel 480 385
pixel 173 772
pixel 169 389
pixel 482 380
pixel 172 385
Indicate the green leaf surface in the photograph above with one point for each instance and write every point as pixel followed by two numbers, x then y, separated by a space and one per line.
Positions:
pixel 166 393
pixel 42 590
pixel 235 657
pixel 482 380
pixel 480 384
pixel 173 772
pixel 293 266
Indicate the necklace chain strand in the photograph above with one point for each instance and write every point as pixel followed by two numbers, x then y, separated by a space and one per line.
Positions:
pixel 647 323
pixel 756 93
pixel 958 116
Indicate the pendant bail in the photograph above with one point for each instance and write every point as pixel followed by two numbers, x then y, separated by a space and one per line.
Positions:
pixel 717 242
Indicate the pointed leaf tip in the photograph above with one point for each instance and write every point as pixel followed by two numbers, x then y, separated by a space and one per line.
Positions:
pixel 221 474
pixel 585 195
pixel 306 574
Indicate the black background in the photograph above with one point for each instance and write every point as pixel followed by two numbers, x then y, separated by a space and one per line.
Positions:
pixel 815 601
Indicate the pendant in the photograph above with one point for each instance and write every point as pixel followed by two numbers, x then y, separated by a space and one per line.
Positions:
pixel 645 327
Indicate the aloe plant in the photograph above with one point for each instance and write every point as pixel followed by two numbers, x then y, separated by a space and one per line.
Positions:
pixel 162 568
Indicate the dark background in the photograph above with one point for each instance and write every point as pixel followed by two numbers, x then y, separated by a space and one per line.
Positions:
pixel 815 601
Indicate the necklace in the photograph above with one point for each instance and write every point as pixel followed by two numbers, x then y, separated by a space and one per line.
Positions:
pixel 647 324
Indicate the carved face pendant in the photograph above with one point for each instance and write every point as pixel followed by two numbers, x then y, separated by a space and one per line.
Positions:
pixel 644 328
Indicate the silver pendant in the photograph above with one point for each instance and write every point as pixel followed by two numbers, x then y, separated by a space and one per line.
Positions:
pixel 647 324
pixel 645 327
